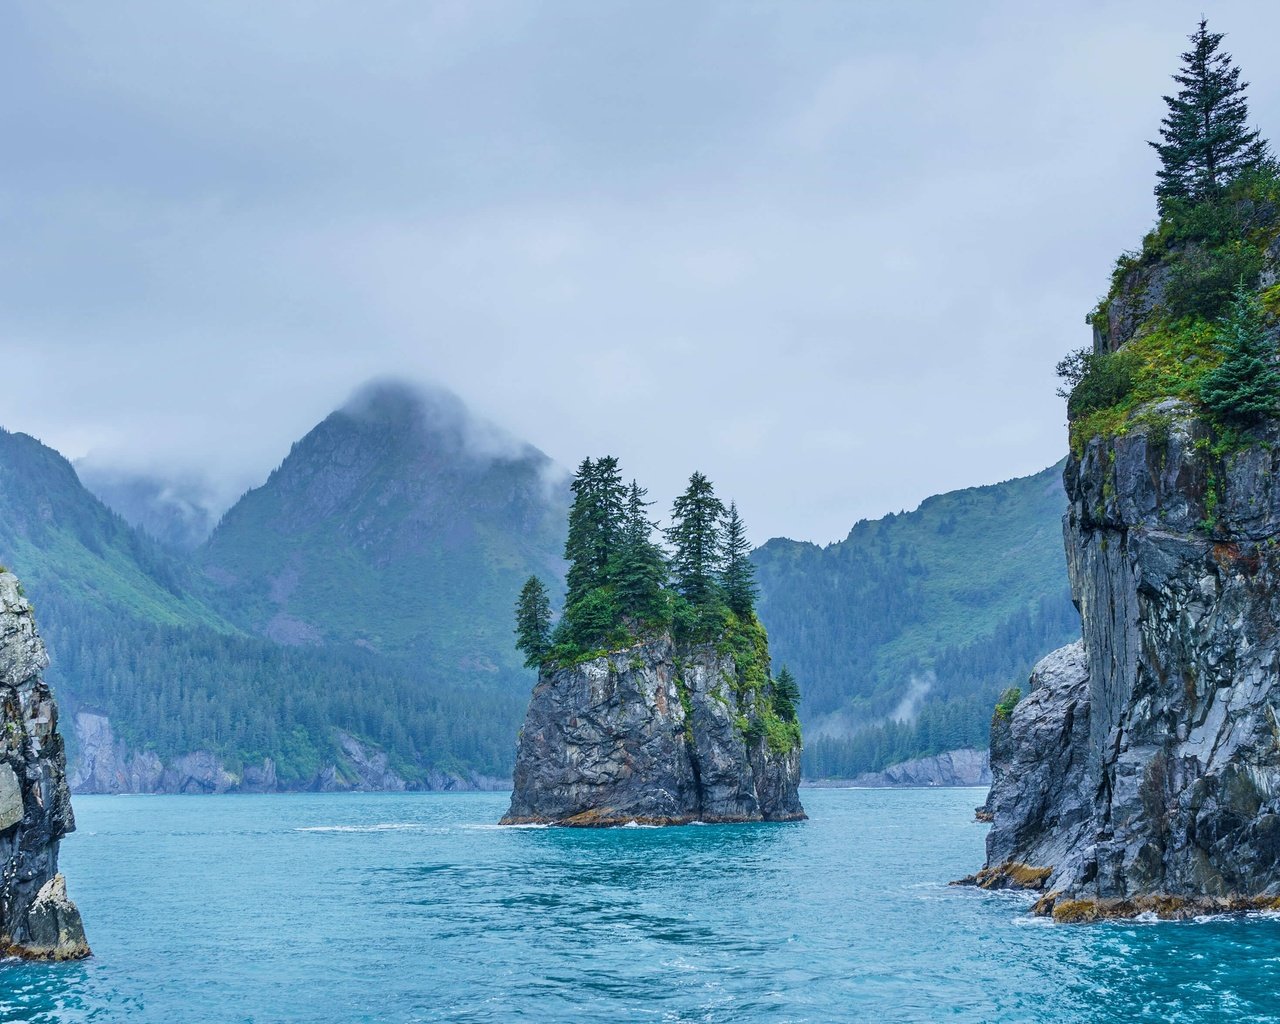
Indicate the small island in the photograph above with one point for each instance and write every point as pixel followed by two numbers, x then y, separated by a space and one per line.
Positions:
pixel 655 702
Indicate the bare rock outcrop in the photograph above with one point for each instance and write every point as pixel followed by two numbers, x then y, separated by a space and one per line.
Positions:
pixel 1147 777
pixel 37 920
pixel 654 734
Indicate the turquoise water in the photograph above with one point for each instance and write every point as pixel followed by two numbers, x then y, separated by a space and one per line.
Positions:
pixel 415 908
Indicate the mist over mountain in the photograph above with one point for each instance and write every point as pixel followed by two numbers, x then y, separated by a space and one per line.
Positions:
pixel 399 524
pixel 177 512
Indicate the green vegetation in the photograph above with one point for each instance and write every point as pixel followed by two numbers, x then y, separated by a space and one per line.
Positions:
pixel 623 587
pixel 1181 319
pixel 1244 388
pixel 958 598
pixel 1008 701
pixel 138 634
pixel 533 622
pixel 1205 140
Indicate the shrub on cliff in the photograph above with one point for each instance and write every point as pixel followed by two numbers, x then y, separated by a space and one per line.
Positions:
pixel 1245 387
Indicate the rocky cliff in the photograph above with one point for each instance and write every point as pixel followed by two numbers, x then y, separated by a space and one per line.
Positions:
pixel 655 734
pixel 37 920
pixel 1143 771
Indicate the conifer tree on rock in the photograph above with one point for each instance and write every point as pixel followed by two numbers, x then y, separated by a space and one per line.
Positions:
pixel 533 622
pixel 1245 388
pixel 695 536
pixel 786 695
pixel 1205 142
pixel 739 577
pixel 595 525
pixel 641 570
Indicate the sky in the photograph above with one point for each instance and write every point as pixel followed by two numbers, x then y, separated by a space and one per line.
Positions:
pixel 826 253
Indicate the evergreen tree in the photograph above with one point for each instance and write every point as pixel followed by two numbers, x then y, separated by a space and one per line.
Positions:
pixel 595 526
pixel 641 570
pixel 533 622
pixel 739 576
pixel 1245 388
pixel 786 695
pixel 1205 139
pixel 695 536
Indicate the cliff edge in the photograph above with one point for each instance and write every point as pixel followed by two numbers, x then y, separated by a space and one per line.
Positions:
pixel 1142 773
pixel 656 733
pixel 37 920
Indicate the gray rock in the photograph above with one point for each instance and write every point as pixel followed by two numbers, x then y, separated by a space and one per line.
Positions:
pixel 652 734
pixel 1175 568
pixel 962 767
pixel 37 920
pixel 11 810
pixel 1040 798
pixel 371 766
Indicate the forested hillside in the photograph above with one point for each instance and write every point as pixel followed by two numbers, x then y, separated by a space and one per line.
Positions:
pixel 903 634
pixel 133 634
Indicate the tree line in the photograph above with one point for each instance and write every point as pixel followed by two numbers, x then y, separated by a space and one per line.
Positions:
pixel 622 583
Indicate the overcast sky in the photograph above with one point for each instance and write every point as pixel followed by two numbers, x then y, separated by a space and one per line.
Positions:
pixel 827 253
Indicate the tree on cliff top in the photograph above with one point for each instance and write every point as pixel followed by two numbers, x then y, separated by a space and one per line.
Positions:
pixel 640 572
pixel 596 520
pixel 695 536
pixel 1205 142
pixel 1245 388
pixel 533 622
pixel 739 576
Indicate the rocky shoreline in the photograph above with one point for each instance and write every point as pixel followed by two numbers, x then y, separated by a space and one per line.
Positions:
pixel 105 764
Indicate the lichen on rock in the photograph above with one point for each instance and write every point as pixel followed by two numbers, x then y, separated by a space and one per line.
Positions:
pixel 37 919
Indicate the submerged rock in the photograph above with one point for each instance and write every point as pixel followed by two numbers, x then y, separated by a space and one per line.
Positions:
pixel 37 920
pixel 1145 768
pixel 654 734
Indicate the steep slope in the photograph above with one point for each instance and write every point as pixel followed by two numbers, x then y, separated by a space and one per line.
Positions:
pixel 71 549
pixel 919 618
pixel 399 524
pixel 161 692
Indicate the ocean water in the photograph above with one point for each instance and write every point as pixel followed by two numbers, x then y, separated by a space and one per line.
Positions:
pixel 417 908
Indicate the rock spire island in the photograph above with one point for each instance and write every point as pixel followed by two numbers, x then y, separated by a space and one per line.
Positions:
pixel 655 701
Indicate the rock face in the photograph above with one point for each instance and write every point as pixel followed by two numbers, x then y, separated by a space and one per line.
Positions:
pixel 1145 771
pixel 964 766
pixel 37 920
pixel 652 734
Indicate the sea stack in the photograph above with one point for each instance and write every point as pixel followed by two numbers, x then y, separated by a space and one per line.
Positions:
pixel 37 920
pixel 656 734
pixel 656 701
